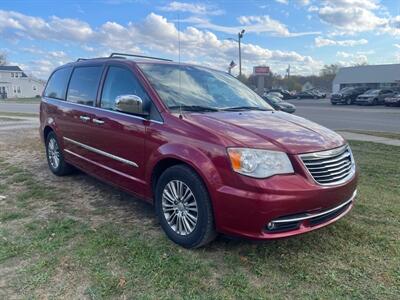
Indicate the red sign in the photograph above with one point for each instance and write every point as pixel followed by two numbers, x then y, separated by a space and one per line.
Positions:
pixel 261 70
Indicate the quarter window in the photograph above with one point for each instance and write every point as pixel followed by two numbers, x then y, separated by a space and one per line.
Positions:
pixel 84 84
pixel 57 85
pixel 120 81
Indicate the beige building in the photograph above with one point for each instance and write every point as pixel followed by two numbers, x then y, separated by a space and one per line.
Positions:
pixel 14 83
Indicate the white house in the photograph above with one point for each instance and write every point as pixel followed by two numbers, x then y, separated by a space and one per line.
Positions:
pixel 370 76
pixel 14 83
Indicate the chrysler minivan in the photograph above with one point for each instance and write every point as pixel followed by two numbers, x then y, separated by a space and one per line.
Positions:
pixel 209 153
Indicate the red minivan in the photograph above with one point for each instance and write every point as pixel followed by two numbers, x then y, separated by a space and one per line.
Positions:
pixel 210 153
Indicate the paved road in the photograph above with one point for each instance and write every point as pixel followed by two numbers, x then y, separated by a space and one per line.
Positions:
pixel 374 118
pixel 338 117
pixel 17 107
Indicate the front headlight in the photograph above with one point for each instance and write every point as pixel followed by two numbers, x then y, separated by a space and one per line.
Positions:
pixel 259 163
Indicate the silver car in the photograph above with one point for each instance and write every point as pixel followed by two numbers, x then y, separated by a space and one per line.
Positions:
pixel 374 97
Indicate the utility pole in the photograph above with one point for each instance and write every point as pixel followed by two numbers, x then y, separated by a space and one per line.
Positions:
pixel 240 36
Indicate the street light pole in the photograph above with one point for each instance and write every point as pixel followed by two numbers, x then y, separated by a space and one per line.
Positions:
pixel 240 36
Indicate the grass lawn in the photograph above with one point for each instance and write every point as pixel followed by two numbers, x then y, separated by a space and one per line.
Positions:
pixel 390 135
pixel 64 250
pixel 21 100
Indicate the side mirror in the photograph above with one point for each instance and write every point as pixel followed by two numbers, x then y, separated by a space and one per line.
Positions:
pixel 131 104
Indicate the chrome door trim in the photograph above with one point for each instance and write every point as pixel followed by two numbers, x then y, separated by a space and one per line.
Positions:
pixel 97 121
pixel 84 118
pixel 106 154
pixel 104 167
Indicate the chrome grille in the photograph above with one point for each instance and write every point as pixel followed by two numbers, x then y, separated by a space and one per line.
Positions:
pixel 330 167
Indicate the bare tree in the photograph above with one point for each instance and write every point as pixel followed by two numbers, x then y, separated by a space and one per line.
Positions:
pixel 3 59
pixel 330 70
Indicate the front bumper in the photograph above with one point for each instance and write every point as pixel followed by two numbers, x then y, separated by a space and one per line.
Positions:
pixel 364 101
pixel 281 198
pixel 394 101
pixel 338 100
pixel 300 222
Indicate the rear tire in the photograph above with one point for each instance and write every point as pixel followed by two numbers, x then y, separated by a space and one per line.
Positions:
pixel 184 208
pixel 55 158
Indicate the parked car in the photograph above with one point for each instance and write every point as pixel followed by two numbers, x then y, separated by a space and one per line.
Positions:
pixel 318 93
pixel 393 100
pixel 346 95
pixel 306 95
pixel 374 97
pixel 280 104
pixel 208 152
pixel 274 94
pixel 285 94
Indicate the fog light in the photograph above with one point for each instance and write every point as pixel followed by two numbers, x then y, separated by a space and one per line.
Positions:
pixel 270 225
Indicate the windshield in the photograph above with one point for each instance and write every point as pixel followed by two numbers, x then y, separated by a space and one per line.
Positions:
pixel 192 86
pixel 371 92
pixel 345 89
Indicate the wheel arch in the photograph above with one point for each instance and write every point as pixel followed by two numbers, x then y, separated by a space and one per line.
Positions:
pixel 173 154
pixel 46 130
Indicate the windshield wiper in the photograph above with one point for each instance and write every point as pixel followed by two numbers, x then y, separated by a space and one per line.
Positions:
pixel 196 108
pixel 245 108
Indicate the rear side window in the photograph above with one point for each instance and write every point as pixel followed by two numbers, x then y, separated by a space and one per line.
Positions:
pixel 84 84
pixel 120 81
pixel 57 85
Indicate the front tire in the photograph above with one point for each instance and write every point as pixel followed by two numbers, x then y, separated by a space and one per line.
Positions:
pixel 184 208
pixel 55 158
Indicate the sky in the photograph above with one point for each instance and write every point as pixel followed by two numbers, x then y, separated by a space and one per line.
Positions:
pixel 305 34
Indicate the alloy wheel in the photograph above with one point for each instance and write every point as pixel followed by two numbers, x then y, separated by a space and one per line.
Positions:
pixel 179 206
pixel 53 153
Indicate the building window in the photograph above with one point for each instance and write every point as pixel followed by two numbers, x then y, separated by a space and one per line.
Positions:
pixel 12 74
pixel 34 87
pixel 19 90
pixel 16 75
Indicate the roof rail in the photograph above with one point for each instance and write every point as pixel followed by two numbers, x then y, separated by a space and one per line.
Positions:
pixel 140 56
pixel 81 59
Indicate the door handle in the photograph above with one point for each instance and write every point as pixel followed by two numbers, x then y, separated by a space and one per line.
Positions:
pixel 84 118
pixel 98 122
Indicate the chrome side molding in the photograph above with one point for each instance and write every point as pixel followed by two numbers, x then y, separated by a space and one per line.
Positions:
pixel 106 154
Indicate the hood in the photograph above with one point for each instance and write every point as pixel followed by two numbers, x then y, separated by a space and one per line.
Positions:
pixel 267 130
pixel 337 95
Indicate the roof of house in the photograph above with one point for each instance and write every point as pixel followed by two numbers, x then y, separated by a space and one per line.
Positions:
pixel 10 68
pixel 368 74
